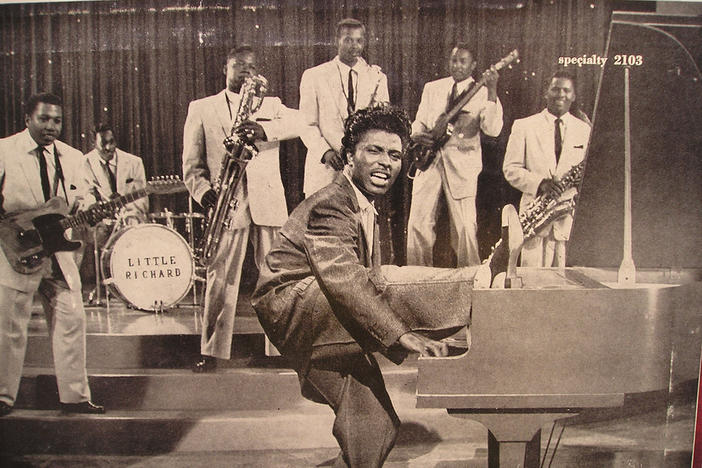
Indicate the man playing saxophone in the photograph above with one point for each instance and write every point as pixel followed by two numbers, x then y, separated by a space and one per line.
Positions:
pixel 261 208
pixel 542 148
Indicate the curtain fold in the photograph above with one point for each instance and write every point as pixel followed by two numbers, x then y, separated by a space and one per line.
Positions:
pixel 137 65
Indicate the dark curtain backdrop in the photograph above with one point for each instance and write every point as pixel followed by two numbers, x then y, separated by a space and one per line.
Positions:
pixel 137 64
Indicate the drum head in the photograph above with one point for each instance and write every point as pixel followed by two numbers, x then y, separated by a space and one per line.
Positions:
pixel 150 266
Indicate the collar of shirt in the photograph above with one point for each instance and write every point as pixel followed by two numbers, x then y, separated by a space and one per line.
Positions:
pixel 363 202
pixel 550 118
pixel 344 69
pixel 112 162
pixel 233 97
pixel 368 212
pixel 463 85
pixel 30 145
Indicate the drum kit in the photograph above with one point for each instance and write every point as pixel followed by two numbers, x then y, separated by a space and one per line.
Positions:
pixel 149 262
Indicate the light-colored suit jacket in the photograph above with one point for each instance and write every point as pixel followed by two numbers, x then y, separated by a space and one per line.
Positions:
pixel 323 107
pixel 462 154
pixel 20 186
pixel 130 177
pixel 207 125
pixel 531 157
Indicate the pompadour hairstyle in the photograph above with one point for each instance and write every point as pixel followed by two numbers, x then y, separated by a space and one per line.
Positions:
pixel 383 117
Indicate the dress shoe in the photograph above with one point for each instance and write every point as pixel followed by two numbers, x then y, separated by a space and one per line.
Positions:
pixel 5 408
pixel 84 407
pixel 503 258
pixel 205 364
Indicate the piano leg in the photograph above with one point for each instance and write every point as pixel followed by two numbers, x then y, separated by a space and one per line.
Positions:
pixel 514 437
pixel 514 454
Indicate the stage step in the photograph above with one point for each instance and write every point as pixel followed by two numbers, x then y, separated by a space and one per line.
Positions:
pixel 155 432
pixel 249 387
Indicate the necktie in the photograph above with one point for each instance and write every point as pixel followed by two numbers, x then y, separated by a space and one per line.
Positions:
pixel 44 173
pixel 111 176
pixel 350 100
pixel 558 139
pixel 452 97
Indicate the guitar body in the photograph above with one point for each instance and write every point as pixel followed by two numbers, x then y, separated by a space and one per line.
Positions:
pixel 29 237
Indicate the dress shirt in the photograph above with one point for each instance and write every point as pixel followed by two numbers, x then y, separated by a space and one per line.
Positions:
pixel 463 85
pixel 31 146
pixel 344 75
pixel 551 119
pixel 368 212
pixel 112 164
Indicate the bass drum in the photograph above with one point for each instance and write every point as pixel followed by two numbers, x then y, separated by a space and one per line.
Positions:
pixel 148 266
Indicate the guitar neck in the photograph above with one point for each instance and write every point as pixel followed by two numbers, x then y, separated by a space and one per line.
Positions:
pixel 84 217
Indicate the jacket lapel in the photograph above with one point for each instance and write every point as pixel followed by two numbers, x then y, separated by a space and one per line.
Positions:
pixel 221 109
pixel 545 139
pixel 31 173
pixel 336 89
pixel 366 83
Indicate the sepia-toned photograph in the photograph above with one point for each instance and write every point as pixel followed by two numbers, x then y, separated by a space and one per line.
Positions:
pixel 347 233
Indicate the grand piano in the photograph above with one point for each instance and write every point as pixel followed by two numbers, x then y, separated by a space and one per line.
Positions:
pixel 624 318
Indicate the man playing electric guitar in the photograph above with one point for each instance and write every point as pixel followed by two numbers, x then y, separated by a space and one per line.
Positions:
pixel 34 167
pixel 458 162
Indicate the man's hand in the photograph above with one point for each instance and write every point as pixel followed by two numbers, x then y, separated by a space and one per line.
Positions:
pixel 423 138
pixel 209 199
pixel 491 76
pixel 546 186
pixel 252 131
pixel 333 160
pixel 417 343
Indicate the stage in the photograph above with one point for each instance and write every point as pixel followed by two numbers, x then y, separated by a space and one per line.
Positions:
pixel 250 412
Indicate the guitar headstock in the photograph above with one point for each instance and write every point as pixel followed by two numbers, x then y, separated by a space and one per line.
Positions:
pixel 165 184
pixel 509 58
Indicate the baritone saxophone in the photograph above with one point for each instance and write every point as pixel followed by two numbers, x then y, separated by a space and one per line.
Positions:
pixel 240 150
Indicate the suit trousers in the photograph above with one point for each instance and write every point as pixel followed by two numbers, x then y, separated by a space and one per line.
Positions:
pixel 543 252
pixel 421 227
pixel 223 278
pixel 65 318
pixel 366 424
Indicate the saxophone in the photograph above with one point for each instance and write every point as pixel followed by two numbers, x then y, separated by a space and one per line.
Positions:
pixel 239 152
pixel 548 207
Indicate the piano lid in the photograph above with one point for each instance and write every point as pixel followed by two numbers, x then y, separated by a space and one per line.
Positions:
pixel 664 54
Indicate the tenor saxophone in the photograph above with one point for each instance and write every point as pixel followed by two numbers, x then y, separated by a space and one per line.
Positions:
pixel 548 206
pixel 239 152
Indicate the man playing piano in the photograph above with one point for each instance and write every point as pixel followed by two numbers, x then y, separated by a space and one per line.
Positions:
pixel 325 302
pixel 541 149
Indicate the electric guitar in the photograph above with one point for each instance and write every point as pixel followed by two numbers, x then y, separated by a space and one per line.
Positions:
pixel 421 156
pixel 28 237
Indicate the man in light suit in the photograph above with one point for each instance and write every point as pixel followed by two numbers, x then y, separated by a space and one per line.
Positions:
pixel 35 166
pixel 327 304
pixel 262 208
pixel 329 93
pixel 110 171
pixel 541 149
pixel 458 163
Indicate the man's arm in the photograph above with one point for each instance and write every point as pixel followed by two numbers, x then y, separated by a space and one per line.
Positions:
pixel 138 176
pixel 196 174
pixel 421 124
pixel 514 166
pixel 331 245
pixel 311 135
